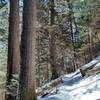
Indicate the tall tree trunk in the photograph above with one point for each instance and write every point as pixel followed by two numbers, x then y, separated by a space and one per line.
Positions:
pixel 71 17
pixel 52 43
pixel 27 73
pixel 13 62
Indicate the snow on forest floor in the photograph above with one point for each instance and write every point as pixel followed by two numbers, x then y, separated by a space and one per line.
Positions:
pixel 76 87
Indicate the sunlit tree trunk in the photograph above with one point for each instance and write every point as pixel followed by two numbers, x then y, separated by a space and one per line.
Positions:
pixel 13 62
pixel 27 73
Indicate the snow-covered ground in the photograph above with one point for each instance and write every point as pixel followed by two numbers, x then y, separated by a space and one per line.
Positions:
pixel 76 87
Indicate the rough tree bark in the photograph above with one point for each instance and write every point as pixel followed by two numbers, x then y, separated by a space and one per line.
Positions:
pixel 13 62
pixel 27 73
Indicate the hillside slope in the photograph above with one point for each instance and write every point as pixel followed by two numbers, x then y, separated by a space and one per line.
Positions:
pixel 76 87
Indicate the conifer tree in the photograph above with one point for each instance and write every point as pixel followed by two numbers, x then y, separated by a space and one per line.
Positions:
pixel 27 71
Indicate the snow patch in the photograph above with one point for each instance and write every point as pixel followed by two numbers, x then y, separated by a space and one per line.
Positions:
pixel 76 87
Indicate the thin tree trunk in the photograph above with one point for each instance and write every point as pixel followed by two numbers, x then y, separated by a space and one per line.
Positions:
pixel 72 33
pixel 52 43
pixel 53 57
pixel 27 74
pixel 90 51
pixel 13 62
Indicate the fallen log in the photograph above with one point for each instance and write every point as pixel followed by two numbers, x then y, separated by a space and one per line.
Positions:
pixel 92 72
pixel 84 69
pixel 47 88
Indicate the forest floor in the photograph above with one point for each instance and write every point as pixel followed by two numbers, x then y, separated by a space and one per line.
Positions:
pixel 76 87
